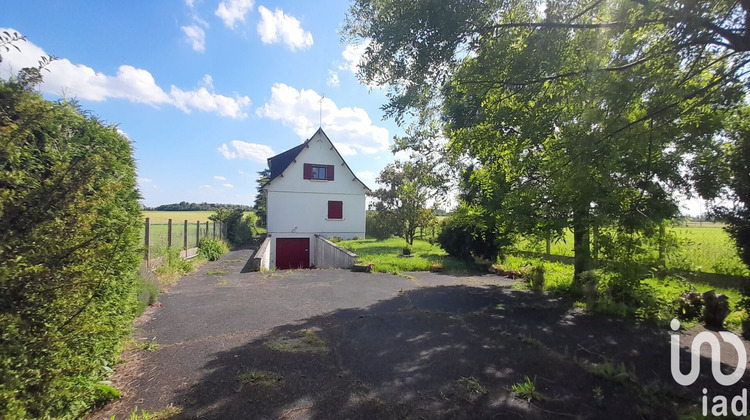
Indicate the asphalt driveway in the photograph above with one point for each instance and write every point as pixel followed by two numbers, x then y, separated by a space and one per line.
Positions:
pixel 335 344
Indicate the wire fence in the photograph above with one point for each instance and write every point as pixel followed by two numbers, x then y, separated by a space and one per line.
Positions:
pixel 184 235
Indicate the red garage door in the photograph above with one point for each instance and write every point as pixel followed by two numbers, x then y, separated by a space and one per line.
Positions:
pixel 292 253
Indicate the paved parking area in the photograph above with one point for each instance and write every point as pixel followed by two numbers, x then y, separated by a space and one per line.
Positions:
pixel 336 344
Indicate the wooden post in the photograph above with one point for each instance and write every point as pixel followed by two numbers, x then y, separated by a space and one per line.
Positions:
pixel 198 233
pixel 214 229
pixel 169 233
pixel 148 240
pixel 206 228
pixel 186 238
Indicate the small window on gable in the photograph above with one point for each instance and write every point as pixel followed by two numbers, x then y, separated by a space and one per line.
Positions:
pixel 336 210
pixel 318 172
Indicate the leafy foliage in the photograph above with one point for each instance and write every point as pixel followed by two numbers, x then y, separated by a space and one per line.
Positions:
pixel 378 227
pixel 469 235
pixel 401 202
pixel 69 223
pixel 261 198
pixel 240 227
pixel 185 206
pixel 212 249
pixel 738 217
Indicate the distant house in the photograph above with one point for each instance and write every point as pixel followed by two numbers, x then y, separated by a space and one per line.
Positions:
pixel 311 191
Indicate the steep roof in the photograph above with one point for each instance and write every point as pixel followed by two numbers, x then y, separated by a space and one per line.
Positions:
pixel 278 164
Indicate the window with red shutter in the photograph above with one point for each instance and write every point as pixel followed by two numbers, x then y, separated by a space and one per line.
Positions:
pixel 318 172
pixel 336 210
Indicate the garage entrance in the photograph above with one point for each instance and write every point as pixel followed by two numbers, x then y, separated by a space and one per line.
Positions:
pixel 292 253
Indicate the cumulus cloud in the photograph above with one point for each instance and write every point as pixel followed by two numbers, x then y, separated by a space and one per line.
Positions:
pixel 276 26
pixel 233 11
pixel 190 3
pixel 145 180
pixel 219 178
pixel 196 36
pixel 353 56
pixel 130 83
pixel 333 78
pixel 244 150
pixel 350 128
pixel 228 185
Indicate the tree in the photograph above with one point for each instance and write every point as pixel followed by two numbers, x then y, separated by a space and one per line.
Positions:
pixel 259 207
pixel 738 217
pixel 402 202
pixel 573 114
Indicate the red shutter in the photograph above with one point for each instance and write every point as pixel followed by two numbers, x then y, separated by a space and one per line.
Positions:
pixel 307 171
pixel 335 209
pixel 329 172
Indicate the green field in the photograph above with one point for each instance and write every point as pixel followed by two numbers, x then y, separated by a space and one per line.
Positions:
pixel 177 216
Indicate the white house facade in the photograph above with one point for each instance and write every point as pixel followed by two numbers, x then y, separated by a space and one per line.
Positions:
pixel 311 191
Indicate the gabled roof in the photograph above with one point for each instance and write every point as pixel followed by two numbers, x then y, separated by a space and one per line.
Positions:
pixel 278 164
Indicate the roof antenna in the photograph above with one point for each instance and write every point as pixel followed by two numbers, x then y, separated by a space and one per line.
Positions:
pixel 320 115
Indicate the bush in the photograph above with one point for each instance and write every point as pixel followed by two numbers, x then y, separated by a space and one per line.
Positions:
pixel 468 237
pixel 212 250
pixel 69 225
pixel 378 226
pixel 240 227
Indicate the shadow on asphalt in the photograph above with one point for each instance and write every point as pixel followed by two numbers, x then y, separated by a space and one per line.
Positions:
pixel 446 352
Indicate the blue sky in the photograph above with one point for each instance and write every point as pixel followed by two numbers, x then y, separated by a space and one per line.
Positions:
pixel 207 89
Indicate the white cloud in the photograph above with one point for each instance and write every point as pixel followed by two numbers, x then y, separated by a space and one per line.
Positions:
pixel 130 83
pixel 228 185
pixel 205 187
pixel 333 78
pixel 190 3
pixel 208 81
pixel 353 56
pixel 219 178
pixel 196 36
pixel 366 176
pixel 244 150
pixel 350 128
pixel 208 101
pixel 275 27
pixel 145 180
pixel 233 11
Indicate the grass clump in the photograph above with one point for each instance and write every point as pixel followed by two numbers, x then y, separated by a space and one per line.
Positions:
pixel 259 378
pixel 526 390
pixel 167 413
pixel 471 385
pixel 304 341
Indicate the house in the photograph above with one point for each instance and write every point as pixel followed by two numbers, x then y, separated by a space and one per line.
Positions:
pixel 311 191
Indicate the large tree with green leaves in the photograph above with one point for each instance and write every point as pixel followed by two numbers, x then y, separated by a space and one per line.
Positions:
pixel 584 111
pixel 261 198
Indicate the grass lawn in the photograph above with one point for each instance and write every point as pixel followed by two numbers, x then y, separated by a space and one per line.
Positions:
pixel 386 255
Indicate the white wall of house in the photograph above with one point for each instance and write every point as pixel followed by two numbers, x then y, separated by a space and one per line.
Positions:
pixel 298 207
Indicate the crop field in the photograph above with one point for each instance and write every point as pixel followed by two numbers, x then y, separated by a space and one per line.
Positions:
pixel 159 217
pixel 159 226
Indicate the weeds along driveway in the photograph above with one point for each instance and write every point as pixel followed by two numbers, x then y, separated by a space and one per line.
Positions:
pixel 334 344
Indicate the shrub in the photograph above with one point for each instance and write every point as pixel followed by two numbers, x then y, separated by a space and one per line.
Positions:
pixel 240 227
pixel 466 236
pixel 211 249
pixel 335 239
pixel 69 224
pixel 378 226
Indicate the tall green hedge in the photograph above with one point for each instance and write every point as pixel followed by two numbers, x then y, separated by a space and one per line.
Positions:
pixel 68 253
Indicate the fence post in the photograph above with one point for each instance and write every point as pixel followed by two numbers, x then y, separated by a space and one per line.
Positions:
pixel 206 228
pixel 169 233
pixel 148 241
pixel 198 233
pixel 186 238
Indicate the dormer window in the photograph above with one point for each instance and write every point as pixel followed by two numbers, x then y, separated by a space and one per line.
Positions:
pixel 318 172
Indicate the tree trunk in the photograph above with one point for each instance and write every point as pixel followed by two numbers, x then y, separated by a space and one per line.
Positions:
pixel 581 246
